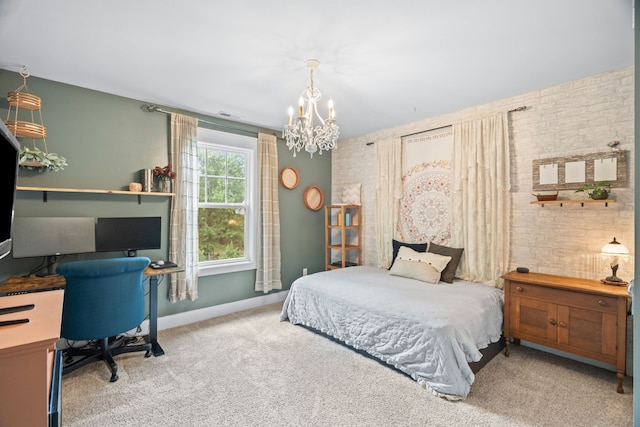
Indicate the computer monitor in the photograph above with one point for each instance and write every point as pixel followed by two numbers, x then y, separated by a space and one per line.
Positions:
pixel 128 234
pixel 52 236
pixel 9 148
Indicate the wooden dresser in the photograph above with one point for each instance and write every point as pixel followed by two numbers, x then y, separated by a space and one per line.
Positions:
pixel 579 316
pixel 30 319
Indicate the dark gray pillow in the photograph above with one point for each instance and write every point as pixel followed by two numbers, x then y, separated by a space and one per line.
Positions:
pixel 449 272
pixel 418 247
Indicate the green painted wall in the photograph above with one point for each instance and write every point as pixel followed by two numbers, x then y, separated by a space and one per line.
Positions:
pixel 107 140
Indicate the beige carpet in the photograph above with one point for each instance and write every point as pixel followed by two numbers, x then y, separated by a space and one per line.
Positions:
pixel 250 369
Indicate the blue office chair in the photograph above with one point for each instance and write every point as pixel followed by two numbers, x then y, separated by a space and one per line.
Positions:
pixel 102 300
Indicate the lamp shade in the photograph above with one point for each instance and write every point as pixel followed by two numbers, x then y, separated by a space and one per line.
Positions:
pixel 614 248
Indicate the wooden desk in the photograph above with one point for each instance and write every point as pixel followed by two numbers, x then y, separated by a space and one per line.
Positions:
pixel 30 319
pixel 153 275
pixel 20 285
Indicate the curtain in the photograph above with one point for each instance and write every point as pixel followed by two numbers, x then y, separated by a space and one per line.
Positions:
pixel 481 198
pixel 268 272
pixel 183 235
pixel 388 195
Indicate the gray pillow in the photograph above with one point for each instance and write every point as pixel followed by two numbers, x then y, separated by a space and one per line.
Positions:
pixel 449 273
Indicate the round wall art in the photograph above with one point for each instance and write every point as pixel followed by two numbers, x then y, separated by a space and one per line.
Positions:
pixel 289 177
pixel 313 198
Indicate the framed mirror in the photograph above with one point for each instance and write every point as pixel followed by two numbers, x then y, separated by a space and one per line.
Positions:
pixel 289 177
pixel 313 198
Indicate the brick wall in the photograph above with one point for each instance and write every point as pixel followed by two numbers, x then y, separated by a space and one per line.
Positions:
pixel 575 118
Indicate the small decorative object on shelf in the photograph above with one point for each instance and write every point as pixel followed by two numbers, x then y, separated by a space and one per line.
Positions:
pixel 597 190
pixel 165 174
pixel 545 197
pixel 614 145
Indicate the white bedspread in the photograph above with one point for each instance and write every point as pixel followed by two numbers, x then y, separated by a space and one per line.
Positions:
pixel 428 331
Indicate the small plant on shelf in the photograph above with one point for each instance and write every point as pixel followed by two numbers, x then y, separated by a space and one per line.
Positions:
pixel 164 173
pixel 597 190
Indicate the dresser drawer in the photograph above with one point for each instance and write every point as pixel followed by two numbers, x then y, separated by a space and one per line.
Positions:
pixel 31 317
pixel 569 298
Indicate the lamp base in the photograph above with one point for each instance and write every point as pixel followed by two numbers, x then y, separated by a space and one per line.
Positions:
pixel 614 283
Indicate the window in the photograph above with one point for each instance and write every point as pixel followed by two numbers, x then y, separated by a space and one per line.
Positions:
pixel 227 201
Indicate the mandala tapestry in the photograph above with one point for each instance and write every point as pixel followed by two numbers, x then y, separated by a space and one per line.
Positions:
pixel 425 208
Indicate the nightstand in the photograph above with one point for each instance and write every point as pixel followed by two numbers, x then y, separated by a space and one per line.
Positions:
pixel 578 316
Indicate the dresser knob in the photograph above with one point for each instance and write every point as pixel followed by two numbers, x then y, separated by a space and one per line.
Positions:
pixel 519 288
pixel 563 324
pixel 553 322
pixel 602 302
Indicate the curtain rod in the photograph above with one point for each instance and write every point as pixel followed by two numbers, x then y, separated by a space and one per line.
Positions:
pixel 522 108
pixel 149 108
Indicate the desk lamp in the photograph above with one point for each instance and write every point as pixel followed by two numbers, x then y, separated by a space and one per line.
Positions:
pixel 614 250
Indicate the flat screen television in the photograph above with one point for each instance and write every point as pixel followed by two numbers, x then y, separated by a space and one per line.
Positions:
pixel 9 152
pixel 128 234
pixel 52 236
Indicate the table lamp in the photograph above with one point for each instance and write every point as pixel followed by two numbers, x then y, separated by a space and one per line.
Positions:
pixel 614 250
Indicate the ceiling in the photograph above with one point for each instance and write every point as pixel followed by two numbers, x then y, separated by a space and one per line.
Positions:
pixel 384 63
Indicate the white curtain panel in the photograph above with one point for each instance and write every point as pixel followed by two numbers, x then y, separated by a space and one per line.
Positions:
pixel 388 195
pixel 268 276
pixel 183 235
pixel 481 198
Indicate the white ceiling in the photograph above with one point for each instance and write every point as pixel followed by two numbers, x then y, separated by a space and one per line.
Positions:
pixel 384 63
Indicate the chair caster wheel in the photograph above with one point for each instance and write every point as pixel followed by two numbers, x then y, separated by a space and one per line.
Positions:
pixel 148 353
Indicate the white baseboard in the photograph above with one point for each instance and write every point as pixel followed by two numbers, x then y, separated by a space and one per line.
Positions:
pixel 187 317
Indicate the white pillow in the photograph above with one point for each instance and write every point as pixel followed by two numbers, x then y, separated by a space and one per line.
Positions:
pixel 424 266
pixel 351 194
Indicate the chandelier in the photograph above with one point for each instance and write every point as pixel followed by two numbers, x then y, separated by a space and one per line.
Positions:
pixel 301 132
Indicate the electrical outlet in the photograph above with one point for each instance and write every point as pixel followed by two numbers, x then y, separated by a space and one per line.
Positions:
pixel 304 271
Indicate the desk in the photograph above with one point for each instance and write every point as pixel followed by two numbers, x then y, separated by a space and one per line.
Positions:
pixel 30 314
pixel 31 284
pixel 153 275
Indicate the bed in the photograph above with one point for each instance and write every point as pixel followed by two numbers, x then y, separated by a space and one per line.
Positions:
pixel 431 332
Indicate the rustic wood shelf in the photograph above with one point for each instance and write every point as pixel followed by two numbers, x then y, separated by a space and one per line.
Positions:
pixel 46 190
pixel 573 202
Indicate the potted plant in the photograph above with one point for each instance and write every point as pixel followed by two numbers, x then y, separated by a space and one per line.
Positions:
pixel 35 159
pixel 597 190
pixel 165 174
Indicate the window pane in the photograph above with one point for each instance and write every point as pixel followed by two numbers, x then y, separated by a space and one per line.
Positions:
pixel 236 165
pixel 220 233
pixel 202 188
pixel 202 160
pixel 216 162
pixel 215 190
pixel 236 190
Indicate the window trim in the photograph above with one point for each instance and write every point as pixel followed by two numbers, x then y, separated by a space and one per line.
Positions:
pixel 208 138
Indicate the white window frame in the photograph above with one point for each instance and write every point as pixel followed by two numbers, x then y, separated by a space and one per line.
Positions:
pixel 208 138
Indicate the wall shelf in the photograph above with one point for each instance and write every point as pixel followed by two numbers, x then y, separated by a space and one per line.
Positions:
pixel 46 190
pixel 573 202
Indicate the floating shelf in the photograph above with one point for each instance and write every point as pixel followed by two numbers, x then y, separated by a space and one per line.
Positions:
pixel 573 202
pixel 46 190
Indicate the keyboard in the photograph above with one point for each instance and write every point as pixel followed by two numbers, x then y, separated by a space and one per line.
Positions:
pixel 167 264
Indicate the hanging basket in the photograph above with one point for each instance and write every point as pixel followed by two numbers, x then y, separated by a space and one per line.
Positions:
pixel 24 100
pixel 31 159
pixel 23 129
